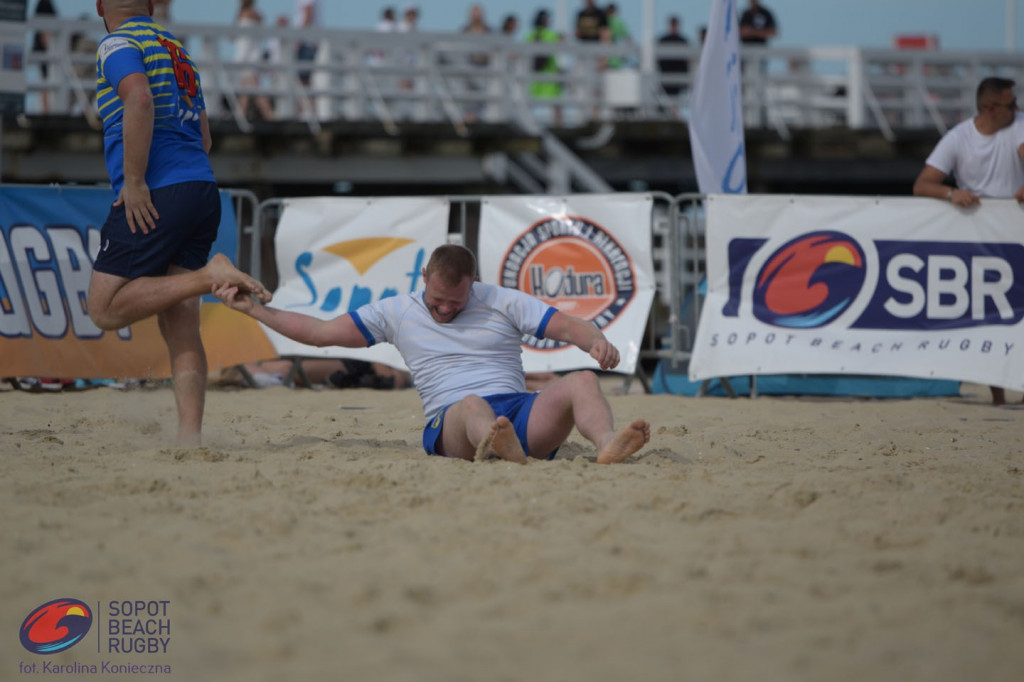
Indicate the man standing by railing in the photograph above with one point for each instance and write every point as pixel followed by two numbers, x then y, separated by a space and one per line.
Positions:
pixel 757 24
pixel 307 15
pixel 592 24
pixel 984 154
pixel 41 44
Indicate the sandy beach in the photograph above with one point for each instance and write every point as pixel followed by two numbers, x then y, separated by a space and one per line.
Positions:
pixel 778 538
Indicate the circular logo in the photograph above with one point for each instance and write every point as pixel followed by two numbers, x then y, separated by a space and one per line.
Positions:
pixel 809 281
pixel 573 265
pixel 56 626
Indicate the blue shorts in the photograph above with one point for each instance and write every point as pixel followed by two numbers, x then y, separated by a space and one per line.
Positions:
pixel 515 406
pixel 189 218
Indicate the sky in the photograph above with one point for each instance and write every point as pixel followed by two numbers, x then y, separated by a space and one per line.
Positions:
pixel 959 24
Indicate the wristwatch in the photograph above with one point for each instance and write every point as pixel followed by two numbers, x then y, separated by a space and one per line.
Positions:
pixel 949 194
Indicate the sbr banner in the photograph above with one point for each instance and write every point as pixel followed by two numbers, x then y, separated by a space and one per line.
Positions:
pixel 831 285
pixel 49 237
pixel 336 254
pixel 587 255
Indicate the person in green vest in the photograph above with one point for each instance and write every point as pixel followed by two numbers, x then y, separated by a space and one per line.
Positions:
pixel 618 32
pixel 545 63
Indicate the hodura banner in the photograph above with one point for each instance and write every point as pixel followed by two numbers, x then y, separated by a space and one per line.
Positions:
pixel 587 255
pixel 853 285
pixel 49 237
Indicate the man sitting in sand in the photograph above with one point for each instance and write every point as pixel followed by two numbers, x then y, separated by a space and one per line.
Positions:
pixel 461 339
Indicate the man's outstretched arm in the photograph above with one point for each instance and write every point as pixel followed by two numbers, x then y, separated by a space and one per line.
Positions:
pixel 340 331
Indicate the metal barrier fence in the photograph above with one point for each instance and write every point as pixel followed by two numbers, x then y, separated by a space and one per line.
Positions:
pixel 463 79
pixel 677 249
pixel 246 206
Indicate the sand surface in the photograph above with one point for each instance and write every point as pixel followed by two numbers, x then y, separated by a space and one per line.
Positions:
pixel 310 539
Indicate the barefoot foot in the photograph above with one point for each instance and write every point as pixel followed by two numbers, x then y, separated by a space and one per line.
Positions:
pixel 221 271
pixel 501 442
pixel 625 442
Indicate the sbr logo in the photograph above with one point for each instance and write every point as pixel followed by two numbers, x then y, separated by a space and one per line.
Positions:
pixel 56 626
pixel 809 281
pixel 813 279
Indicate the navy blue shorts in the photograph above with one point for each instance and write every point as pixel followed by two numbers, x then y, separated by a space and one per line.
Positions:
pixel 189 218
pixel 515 406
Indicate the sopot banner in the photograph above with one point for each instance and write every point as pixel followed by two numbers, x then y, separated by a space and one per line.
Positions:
pixel 851 285
pixel 49 237
pixel 587 255
pixel 337 254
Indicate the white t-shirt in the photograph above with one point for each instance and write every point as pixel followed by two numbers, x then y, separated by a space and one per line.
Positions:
pixel 247 49
pixel 477 353
pixel 987 165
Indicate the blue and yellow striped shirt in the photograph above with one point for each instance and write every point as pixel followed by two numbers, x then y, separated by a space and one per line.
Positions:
pixel 176 154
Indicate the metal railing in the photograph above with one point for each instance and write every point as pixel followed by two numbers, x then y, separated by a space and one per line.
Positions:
pixel 462 80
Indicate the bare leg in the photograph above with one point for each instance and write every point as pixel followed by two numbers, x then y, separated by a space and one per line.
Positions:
pixel 179 326
pixel 265 108
pixel 116 302
pixel 576 399
pixel 472 429
pixel 998 395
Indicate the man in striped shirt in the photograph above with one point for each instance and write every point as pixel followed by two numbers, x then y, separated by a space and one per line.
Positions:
pixel 157 237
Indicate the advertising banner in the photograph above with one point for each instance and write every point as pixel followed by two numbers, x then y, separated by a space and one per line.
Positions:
pixel 49 237
pixel 587 255
pixel 854 285
pixel 337 254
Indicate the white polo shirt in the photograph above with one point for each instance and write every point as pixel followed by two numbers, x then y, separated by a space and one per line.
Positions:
pixel 987 165
pixel 477 353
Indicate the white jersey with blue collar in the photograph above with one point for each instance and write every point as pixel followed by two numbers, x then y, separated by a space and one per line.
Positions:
pixel 477 353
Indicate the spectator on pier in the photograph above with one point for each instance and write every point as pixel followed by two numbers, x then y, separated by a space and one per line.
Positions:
pixel 673 65
pixel 41 43
pixel 248 50
pixel 757 24
pixel 984 155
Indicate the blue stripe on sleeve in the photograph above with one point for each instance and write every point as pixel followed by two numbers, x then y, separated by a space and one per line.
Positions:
pixel 544 323
pixel 362 327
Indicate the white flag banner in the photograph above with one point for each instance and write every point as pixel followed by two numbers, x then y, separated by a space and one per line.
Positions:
pixel 716 107
pixel 587 255
pixel 856 285
pixel 336 254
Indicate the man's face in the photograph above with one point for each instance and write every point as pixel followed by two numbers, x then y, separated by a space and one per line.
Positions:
pixel 1004 108
pixel 444 301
